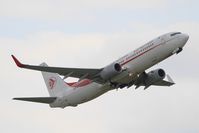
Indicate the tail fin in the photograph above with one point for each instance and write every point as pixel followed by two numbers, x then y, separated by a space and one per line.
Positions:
pixel 54 83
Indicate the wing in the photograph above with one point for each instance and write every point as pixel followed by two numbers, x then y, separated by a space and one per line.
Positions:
pixel 46 100
pixel 141 81
pixel 164 82
pixel 66 72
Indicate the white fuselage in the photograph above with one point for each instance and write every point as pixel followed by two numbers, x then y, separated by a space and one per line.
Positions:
pixel 133 64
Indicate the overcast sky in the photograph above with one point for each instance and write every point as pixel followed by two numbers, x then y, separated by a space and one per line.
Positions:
pixel 93 33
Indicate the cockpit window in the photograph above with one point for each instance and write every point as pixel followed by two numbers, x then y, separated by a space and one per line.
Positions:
pixel 173 34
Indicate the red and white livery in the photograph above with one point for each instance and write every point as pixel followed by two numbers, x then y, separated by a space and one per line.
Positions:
pixel 124 72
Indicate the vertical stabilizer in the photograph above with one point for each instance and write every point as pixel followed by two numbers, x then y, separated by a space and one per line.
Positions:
pixel 54 83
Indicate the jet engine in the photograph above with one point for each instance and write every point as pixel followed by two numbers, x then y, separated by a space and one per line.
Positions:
pixel 154 76
pixel 110 71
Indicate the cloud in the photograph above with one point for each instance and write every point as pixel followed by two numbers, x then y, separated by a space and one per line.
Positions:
pixel 66 10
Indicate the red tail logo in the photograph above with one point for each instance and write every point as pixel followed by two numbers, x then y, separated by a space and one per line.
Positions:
pixel 52 82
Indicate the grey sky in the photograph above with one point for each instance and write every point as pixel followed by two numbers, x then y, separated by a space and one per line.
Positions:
pixel 93 34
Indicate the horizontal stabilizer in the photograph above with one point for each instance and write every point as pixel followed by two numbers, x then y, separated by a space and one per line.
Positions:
pixel 46 100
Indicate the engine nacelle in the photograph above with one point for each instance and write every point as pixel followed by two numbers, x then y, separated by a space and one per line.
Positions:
pixel 155 76
pixel 110 71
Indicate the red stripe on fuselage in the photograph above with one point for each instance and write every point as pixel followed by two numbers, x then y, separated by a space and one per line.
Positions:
pixel 138 55
pixel 71 84
pixel 81 83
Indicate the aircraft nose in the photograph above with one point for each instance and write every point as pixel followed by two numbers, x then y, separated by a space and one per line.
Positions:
pixel 185 38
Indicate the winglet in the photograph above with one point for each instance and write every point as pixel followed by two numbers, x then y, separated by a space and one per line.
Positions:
pixel 18 63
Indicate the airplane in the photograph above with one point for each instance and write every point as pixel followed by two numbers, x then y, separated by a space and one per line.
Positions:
pixel 125 72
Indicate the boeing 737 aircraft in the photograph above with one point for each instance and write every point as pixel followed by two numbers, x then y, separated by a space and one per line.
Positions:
pixel 124 72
